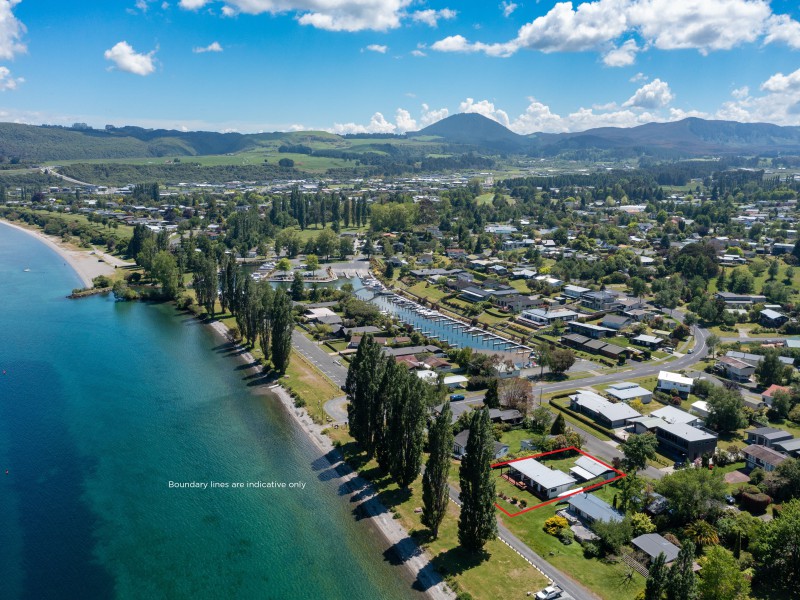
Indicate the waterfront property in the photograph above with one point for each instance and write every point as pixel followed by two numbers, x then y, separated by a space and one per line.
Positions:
pixel 589 508
pixel 540 479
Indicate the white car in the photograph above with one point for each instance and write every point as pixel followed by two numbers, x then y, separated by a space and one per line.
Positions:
pixel 549 593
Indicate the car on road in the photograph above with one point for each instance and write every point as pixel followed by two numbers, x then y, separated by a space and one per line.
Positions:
pixel 691 350
pixel 551 592
pixel 456 396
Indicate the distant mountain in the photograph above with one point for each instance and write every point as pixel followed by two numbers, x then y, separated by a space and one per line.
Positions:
pixel 456 134
pixel 688 137
pixel 476 130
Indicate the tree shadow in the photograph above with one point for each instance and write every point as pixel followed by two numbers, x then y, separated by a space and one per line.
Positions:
pixel 457 560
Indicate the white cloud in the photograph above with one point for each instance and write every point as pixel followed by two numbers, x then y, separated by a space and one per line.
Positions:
pixel 655 94
pixel 707 25
pixel 638 77
pixel 332 15
pixel 458 43
pixel 508 8
pixel 7 82
pixel 783 29
pixel 377 124
pixel 126 59
pixel 11 30
pixel 623 56
pixel 193 4
pixel 485 108
pixel 740 93
pixel 405 122
pixel 380 49
pixel 430 116
pixel 538 117
pixel 782 83
pixel 431 17
pixel 418 53
pixel 212 47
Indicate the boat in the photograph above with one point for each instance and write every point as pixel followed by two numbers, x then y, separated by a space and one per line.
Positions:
pixel 26 270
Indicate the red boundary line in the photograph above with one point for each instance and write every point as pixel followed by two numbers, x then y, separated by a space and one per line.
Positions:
pixel 619 473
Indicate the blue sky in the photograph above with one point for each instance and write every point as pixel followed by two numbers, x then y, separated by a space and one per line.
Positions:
pixel 397 65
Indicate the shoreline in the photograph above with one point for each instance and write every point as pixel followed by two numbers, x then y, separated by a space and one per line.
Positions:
pixel 414 559
pixel 85 265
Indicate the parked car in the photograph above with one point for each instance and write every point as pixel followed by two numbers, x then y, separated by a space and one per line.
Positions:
pixel 551 592
pixel 456 396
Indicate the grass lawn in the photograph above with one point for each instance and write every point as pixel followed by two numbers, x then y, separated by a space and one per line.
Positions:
pixel 311 385
pixel 498 573
pixel 609 581
pixel 425 290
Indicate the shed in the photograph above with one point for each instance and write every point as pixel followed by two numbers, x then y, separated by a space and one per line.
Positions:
pixel 653 544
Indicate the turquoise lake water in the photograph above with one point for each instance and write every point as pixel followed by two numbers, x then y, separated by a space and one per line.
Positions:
pixel 102 404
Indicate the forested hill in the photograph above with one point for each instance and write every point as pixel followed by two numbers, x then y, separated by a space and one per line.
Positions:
pixel 29 143
pixel 457 134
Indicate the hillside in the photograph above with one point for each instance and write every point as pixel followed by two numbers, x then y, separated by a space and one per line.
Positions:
pixel 474 130
pixel 453 136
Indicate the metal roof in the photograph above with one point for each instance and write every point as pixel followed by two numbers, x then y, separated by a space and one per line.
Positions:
pixel 593 507
pixel 653 544
pixel 540 474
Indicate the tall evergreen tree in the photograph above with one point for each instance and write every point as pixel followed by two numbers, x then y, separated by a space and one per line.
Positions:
pixel 298 287
pixel 406 430
pixel 435 489
pixel 682 584
pixel 657 579
pixel 492 398
pixel 389 374
pixel 265 320
pixel 282 326
pixel 360 386
pixel 477 523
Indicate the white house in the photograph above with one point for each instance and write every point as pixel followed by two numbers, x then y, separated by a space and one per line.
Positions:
pixel 668 381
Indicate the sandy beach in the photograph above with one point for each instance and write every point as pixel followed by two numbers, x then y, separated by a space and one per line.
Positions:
pixel 413 558
pixel 83 262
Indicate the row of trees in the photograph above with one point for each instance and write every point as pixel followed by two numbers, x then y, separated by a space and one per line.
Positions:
pixel 387 416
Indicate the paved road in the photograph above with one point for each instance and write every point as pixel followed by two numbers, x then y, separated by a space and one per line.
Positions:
pixel 561 579
pixel 330 365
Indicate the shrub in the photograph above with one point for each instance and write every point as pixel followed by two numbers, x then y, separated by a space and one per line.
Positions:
pixel 184 301
pixel 566 536
pixel 794 414
pixel 672 539
pixel 642 524
pixel 591 550
pixel 299 402
pixel 554 525
pixel 757 476
pixel 756 503
pixel 101 281
pixel 523 503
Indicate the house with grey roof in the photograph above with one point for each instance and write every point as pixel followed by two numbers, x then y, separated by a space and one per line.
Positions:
pixel 460 446
pixel 608 414
pixel 767 436
pixel 772 318
pixel 648 341
pixel 539 478
pixel 762 457
pixel 684 440
pixel 587 468
pixel 591 331
pixel 789 447
pixel 615 322
pixel 653 544
pixel 625 391
pixel 589 508
pixel 672 414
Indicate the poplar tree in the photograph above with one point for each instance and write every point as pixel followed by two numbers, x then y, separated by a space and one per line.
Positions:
pixel 360 387
pixel 282 326
pixel 265 321
pixel 298 287
pixel 477 523
pixel 406 429
pixel 435 488
pixel 657 579
pixel 681 584
pixel 388 373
